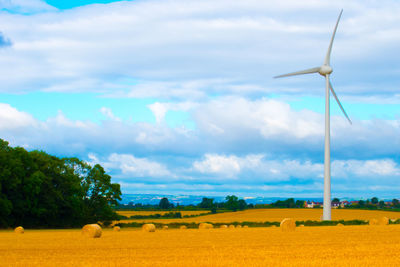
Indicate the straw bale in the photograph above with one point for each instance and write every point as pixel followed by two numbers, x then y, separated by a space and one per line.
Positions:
pixel 183 227
pixel 238 226
pixel 339 224
pixel 117 228
pixel 205 226
pixel 19 230
pixel 383 221
pixel 148 227
pixel 288 225
pixel 91 230
pixel 165 227
pixel 224 226
pixel 231 226
pixel 373 222
pixel 245 226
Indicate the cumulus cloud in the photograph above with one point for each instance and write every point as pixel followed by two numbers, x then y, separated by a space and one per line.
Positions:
pixel 256 168
pixel 270 118
pixel 230 126
pixel 160 109
pixel 25 6
pixel 132 167
pixel 225 165
pixel 4 41
pixel 367 168
pixel 107 112
pixel 197 49
pixel 12 119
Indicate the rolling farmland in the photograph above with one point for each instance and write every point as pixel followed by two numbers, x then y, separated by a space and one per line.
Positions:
pixel 307 246
pixel 262 215
pixel 129 213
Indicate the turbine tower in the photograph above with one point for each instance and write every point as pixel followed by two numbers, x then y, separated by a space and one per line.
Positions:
pixel 325 70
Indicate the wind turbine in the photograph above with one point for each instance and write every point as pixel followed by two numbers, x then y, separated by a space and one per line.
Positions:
pixel 325 70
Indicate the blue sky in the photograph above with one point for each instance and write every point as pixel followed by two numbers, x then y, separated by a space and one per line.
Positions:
pixel 61 4
pixel 177 97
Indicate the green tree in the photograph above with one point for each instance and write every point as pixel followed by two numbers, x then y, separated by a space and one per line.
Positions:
pixel 288 203
pixel 374 200
pixel 381 204
pixel 207 203
pixel 242 204
pixel 335 200
pixel 40 190
pixel 164 203
pixel 299 203
pixel 232 203
pixel 395 202
pixel 100 195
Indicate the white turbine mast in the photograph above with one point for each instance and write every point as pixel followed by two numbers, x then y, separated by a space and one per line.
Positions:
pixel 325 70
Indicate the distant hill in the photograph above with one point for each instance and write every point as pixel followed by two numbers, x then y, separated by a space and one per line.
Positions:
pixel 154 199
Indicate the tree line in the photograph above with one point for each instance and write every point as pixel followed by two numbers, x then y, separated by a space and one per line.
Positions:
pixel 233 203
pixel 40 190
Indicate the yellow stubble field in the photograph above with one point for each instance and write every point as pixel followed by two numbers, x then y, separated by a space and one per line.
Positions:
pixel 277 215
pixel 307 246
pixel 129 213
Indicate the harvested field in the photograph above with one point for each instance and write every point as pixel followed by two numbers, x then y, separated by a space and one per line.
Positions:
pixel 129 213
pixel 277 215
pixel 331 246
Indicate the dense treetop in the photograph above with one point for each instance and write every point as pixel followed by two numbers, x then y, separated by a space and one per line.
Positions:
pixel 40 190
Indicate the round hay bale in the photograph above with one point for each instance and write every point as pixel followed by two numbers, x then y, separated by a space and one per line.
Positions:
pixel 91 230
pixel 393 220
pixel 383 221
pixel 224 226
pixel 373 222
pixel 238 226
pixel 149 227
pixel 165 227
pixel 231 226
pixel 246 226
pixel 273 226
pixel 19 230
pixel 340 224
pixel 288 225
pixel 183 227
pixel 205 226
pixel 116 228
pixel 301 225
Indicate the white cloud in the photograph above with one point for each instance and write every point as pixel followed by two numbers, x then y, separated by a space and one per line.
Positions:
pixel 268 118
pixel 257 168
pixel 26 6
pixel 132 167
pixel 242 158
pixel 109 114
pixel 11 118
pixel 226 165
pixel 160 109
pixel 197 49
pixel 366 168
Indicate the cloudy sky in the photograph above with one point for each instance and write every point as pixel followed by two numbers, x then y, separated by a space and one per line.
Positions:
pixel 177 96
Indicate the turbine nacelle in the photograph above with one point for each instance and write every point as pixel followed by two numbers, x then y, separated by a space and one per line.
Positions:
pixel 325 69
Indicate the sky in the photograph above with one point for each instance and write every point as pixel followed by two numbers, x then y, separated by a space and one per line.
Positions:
pixel 178 96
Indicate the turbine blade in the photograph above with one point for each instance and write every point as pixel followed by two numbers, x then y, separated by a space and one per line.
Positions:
pixel 328 54
pixel 337 100
pixel 301 72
